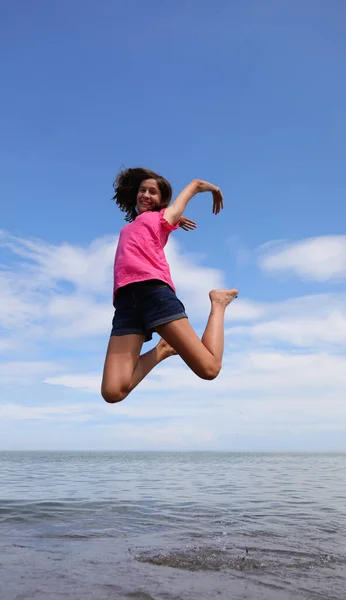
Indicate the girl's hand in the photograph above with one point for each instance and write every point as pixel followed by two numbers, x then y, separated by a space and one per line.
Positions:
pixel 217 201
pixel 175 211
pixel 205 186
pixel 186 224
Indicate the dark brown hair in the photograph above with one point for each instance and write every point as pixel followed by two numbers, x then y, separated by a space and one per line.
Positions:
pixel 126 188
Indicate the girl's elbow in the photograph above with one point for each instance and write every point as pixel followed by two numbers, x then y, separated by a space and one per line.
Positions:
pixel 197 184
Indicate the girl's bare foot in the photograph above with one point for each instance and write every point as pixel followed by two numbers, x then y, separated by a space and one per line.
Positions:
pixel 223 297
pixel 164 350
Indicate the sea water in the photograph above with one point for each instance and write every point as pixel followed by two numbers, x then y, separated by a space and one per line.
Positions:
pixel 151 525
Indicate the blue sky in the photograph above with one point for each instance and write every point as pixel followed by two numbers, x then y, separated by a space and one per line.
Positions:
pixel 248 95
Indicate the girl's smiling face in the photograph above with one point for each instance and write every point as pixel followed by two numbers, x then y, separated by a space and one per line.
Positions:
pixel 148 196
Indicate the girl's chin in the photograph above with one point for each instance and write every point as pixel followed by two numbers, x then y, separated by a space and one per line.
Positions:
pixel 143 209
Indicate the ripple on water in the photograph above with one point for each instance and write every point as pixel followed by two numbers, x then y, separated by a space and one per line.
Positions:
pixel 269 560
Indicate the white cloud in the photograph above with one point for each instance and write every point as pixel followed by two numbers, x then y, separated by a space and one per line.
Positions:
pixel 245 310
pixel 84 381
pixel 26 371
pixel 266 372
pixel 143 423
pixel 7 345
pixel 35 303
pixel 310 321
pixel 18 300
pixel 20 412
pixel 87 268
pixel 317 259
pixel 78 316
pixel 192 280
pixel 171 435
pixel 304 332
pixel 57 298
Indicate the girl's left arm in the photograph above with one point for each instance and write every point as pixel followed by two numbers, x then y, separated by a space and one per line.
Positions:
pixel 174 212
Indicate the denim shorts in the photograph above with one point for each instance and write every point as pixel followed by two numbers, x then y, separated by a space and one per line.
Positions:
pixel 143 306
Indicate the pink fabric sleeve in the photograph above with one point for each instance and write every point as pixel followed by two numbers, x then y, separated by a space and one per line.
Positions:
pixel 165 223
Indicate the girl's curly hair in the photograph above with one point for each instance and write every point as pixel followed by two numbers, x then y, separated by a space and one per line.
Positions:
pixel 126 188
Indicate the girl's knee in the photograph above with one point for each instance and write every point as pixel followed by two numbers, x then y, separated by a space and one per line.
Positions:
pixel 209 371
pixel 113 395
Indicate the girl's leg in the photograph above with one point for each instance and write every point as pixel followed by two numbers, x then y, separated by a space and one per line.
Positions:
pixel 204 356
pixel 124 368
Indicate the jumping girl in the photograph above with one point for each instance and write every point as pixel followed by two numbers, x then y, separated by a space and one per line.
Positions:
pixel 144 293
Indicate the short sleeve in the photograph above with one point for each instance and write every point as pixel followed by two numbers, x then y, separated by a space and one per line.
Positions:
pixel 165 224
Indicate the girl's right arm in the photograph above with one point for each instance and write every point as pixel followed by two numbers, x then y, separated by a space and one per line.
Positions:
pixel 174 212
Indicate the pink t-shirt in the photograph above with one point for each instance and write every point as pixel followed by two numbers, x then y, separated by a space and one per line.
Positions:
pixel 140 254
